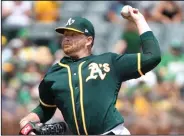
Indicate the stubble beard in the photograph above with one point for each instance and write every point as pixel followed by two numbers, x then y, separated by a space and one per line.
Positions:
pixel 71 50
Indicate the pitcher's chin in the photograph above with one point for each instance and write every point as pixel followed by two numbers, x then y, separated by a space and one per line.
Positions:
pixel 69 52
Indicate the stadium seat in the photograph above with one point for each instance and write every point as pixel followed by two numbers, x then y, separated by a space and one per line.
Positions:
pixel 99 46
pixel 100 6
pixel 115 32
pixel 159 31
pixel 173 32
pixel 73 5
pixel 71 9
pixel 41 31
pixel 101 27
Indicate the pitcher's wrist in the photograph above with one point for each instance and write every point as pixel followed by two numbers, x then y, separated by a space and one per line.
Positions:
pixel 142 26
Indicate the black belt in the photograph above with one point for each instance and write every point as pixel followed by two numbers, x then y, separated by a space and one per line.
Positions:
pixel 110 133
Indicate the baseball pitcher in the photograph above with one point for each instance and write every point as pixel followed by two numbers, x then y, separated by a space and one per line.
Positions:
pixel 84 87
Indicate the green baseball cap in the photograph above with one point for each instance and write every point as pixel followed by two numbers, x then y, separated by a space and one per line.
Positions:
pixel 78 24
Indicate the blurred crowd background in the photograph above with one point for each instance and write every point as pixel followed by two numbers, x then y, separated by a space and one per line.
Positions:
pixel 152 104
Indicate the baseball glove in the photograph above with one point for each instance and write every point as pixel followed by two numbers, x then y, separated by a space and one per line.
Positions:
pixel 58 128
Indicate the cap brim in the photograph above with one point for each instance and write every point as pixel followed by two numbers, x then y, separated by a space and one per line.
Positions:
pixel 61 30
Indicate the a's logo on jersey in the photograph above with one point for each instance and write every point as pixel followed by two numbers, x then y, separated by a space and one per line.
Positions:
pixel 98 70
pixel 70 21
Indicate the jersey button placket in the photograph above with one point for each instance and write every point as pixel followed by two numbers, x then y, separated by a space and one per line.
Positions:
pixel 75 82
pixel 75 77
pixel 76 88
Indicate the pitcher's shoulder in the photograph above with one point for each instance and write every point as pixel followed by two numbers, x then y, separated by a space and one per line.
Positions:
pixel 53 68
pixel 106 55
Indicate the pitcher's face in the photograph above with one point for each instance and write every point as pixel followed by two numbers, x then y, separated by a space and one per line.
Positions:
pixel 73 42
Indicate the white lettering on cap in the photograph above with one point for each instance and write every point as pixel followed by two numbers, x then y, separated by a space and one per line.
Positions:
pixel 70 21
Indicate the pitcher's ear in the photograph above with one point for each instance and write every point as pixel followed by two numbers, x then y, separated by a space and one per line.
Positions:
pixel 89 41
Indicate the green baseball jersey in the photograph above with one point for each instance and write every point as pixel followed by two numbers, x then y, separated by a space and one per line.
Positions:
pixel 86 89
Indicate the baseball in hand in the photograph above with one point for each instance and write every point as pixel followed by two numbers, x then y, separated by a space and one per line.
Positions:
pixel 125 11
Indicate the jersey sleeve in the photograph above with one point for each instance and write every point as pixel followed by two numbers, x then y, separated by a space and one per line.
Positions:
pixel 130 66
pixel 46 109
pixel 46 96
